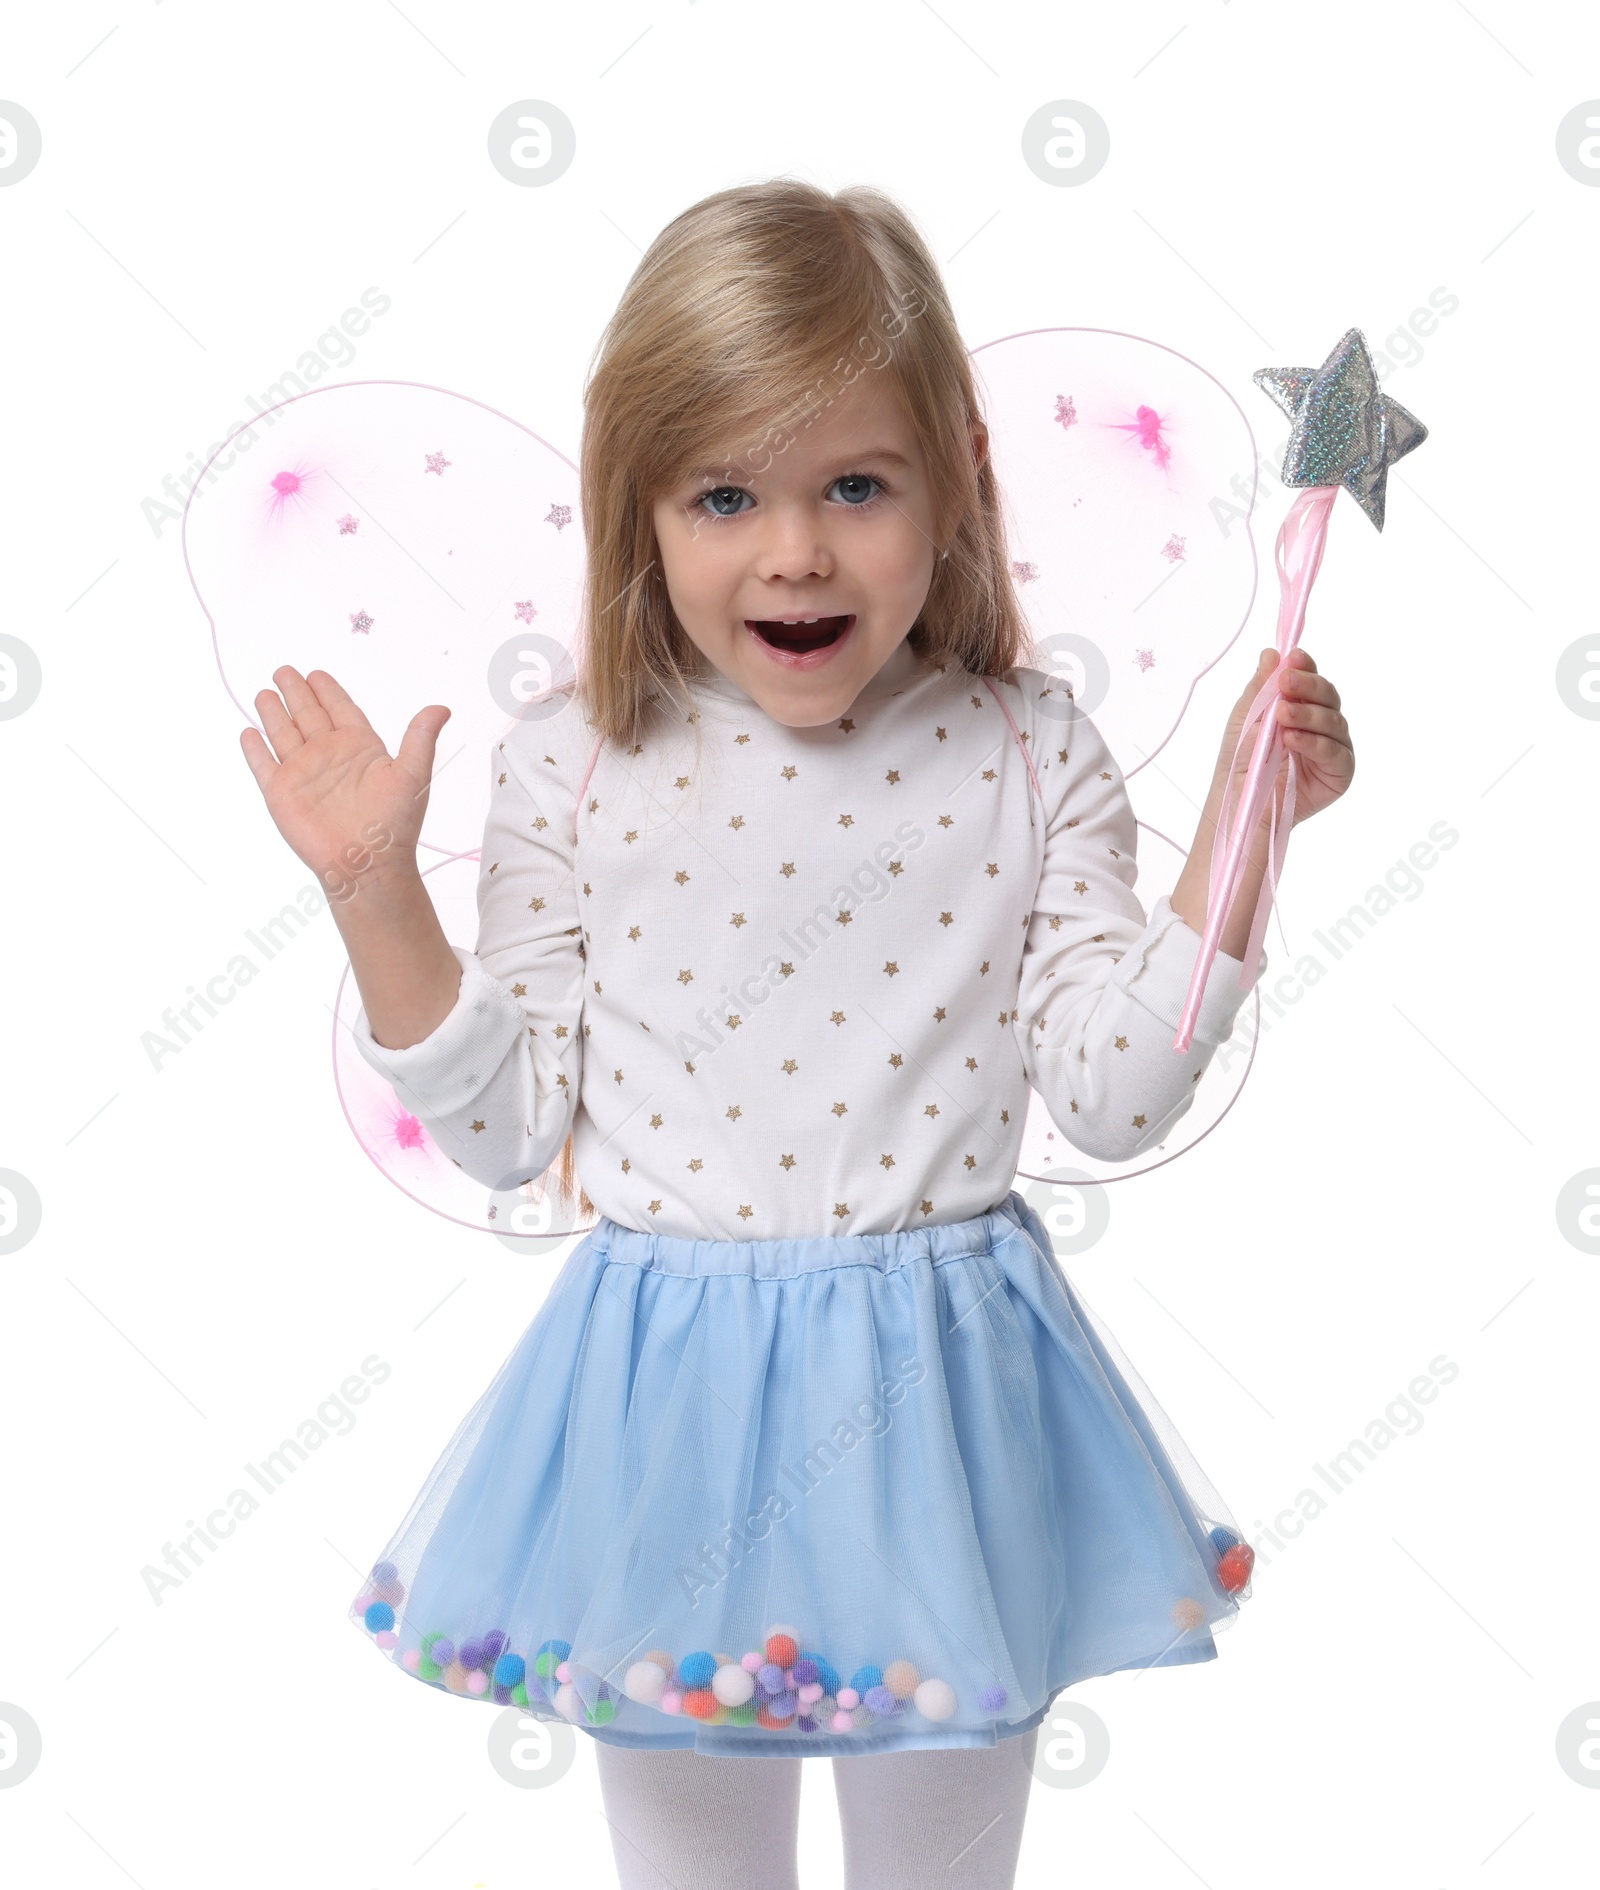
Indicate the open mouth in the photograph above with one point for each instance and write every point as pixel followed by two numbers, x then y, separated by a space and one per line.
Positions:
pixel 792 637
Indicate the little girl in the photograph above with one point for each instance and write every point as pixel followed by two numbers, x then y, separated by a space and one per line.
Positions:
pixel 785 902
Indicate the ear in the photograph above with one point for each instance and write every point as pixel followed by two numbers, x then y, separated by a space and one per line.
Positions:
pixel 980 442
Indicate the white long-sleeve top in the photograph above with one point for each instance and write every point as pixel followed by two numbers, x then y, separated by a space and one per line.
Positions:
pixel 797 982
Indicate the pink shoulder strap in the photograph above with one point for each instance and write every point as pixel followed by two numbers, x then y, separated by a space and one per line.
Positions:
pixel 1012 722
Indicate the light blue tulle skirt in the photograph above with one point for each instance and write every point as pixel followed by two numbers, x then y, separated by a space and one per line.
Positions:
pixel 833 1495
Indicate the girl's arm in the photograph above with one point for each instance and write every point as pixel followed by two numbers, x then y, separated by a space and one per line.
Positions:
pixel 495 1079
pixel 1102 987
pixel 485 1047
pixel 404 968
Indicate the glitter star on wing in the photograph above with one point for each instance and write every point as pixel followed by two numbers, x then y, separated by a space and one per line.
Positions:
pixel 1346 432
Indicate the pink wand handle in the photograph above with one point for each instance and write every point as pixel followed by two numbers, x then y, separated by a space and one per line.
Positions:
pixel 1299 556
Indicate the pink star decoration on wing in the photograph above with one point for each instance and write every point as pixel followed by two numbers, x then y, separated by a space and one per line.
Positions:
pixel 437 463
pixel 1146 423
pixel 1146 659
pixel 361 622
pixel 348 524
pixel 1066 413
pixel 288 486
pixel 559 515
pixel 526 613
pixel 1025 573
pixel 1174 548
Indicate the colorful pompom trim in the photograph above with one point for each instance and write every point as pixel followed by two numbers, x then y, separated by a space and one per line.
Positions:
pixel 779 1685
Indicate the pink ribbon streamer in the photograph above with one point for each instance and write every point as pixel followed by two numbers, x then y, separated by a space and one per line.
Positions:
pixel 1299 556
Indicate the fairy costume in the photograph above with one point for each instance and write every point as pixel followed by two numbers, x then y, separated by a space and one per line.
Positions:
pixel 812 1447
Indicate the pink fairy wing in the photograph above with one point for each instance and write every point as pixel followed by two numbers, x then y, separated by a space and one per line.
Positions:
pixel 1128 473
pixel 421 547
pixel 416 544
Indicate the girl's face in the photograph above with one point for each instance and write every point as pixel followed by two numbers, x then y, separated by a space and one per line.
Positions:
pixel 836 525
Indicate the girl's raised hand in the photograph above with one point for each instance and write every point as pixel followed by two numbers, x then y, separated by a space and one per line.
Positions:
pixel 1313 731
pixel 336 794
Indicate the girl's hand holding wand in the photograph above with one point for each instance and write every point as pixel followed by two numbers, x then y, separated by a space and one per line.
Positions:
pixel 1315 732
pixel 353 812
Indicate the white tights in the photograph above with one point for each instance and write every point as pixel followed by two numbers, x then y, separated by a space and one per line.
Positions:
pixel 950 1817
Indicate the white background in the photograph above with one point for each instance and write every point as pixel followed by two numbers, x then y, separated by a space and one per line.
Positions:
pixel 218 184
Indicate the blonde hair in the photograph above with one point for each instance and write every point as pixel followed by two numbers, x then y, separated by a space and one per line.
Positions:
pixel 750 312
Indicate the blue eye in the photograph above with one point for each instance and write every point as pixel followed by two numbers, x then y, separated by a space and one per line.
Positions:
pixel 854 490
pixel 860 479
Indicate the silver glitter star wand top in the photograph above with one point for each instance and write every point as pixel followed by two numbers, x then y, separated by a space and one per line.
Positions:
pixel 1346 433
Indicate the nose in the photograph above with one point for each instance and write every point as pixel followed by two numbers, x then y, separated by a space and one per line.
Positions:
pixel 792 544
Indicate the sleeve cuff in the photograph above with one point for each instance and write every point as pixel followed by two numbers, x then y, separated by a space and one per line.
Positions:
pixel 1155 972
pixel 449 1067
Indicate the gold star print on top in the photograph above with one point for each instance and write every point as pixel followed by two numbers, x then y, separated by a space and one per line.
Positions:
pixel 792 982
